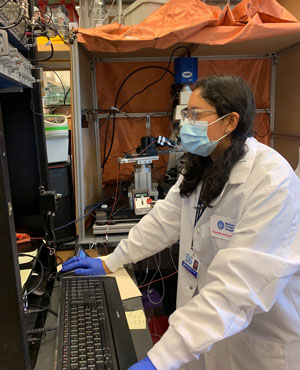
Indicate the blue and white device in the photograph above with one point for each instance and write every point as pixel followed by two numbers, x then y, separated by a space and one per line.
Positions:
pixel 186 70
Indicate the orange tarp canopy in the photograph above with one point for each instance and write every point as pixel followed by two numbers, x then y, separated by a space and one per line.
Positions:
pixel 193 21
pixel 178 21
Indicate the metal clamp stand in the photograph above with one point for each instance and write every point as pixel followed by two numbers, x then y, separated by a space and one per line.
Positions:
pixel 142 175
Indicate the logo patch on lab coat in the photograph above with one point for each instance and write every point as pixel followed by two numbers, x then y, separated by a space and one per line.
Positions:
pixel 222 227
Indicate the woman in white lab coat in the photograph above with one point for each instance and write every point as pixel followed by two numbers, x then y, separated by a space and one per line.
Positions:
pixel 235 210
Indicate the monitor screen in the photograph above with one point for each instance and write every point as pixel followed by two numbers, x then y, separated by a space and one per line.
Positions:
pixel 79 251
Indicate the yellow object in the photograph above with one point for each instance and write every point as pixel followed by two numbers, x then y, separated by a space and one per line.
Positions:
pixel 136 319
pixel 55 40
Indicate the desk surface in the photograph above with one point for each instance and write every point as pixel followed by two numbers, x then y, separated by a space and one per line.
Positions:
pixel 45 361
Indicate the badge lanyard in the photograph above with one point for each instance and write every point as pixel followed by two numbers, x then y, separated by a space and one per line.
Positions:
pixel 190 263
pixel 199 212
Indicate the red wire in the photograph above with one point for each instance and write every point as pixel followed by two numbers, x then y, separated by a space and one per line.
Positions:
pixel 155 281
pixel 155 141
pixel 52 251
pixel 112 210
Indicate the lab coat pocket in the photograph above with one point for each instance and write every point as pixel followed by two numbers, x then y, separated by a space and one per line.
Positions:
pixel 251 353
pixel 221 229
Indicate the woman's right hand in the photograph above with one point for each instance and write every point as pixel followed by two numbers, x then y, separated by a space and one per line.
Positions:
pixel 86 266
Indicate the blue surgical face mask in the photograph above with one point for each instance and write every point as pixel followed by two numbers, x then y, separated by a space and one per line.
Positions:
pixel 194 137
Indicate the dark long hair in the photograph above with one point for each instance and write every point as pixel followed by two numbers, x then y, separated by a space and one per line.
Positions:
pixel 227 94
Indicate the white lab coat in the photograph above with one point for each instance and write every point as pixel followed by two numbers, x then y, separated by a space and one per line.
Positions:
pixel 245 314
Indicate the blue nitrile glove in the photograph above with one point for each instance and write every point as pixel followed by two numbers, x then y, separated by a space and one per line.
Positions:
pixel 84 266
pixel 144 364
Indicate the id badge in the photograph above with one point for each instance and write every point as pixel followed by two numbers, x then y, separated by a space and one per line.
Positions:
pixel 191 264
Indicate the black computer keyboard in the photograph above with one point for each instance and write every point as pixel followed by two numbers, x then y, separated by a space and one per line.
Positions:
pixel 93 333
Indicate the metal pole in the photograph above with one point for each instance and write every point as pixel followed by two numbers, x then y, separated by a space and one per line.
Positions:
pixel 120 10
pixel 77 135
pixel 200 57
pixel 96 129
pixel 273 95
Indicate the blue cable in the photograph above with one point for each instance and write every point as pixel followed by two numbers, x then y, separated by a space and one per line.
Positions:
pixel 79 218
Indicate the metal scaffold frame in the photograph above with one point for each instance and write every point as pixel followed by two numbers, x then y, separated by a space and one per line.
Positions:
pixel 78 111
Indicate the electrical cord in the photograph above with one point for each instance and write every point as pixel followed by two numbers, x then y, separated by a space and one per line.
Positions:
pixel 105 157
pixel 161 279
pixel 46 23
pixel 42 273
pixel 63 86
pixel 40 330
pixel 142 285
pixel 147 270
pixel 171 256
pixel 117 197
pixel 142 151
pixel 43 28
pixel 119 185
pixel 109 10
pixel 53 27
pixel 51 227
pixel 19 19
pixel 166 70
pixel 119 209
pixel 112 210
pixel 139 92
pixel 79 218
pixel 119 193
pixel 105 142
pixel 52 251
pixel 268 129
pixel 37 113
pixel 40 309
pixel 5 2
pixel 49 57
pixel 93 205
pixel 155 281
pixel 66 94
pixel 50 236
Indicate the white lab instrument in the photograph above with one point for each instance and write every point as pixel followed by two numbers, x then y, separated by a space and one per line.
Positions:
pixel 184 96
pixel 57 137
pixel 142 176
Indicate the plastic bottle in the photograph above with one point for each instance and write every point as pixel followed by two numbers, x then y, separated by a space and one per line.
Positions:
pixel 99 13
pixel 62 21
pixel 49 16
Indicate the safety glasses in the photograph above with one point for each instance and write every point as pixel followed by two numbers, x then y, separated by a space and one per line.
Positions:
pixel 193 115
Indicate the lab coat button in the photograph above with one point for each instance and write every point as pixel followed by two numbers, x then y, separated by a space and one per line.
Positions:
pixel 191 288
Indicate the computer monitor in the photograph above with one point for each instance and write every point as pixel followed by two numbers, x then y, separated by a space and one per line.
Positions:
pixel 26 158
pixel 14 353
pixel 23 169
